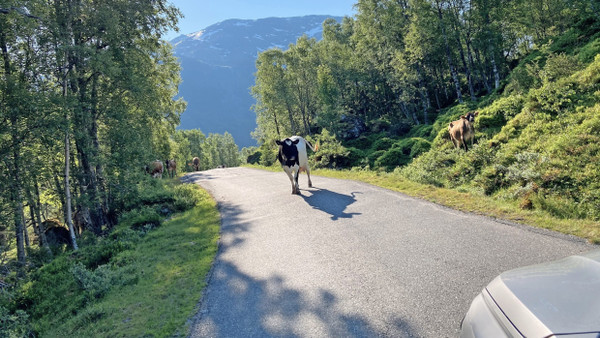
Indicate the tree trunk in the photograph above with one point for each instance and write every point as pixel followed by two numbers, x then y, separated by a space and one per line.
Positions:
pixel 25 233
pixel 276 123
pixel 68 194
pixel 38 216
pixel 494 68
pixel 18 207
pixel 453 71
pixel 291 116
pixel 484 76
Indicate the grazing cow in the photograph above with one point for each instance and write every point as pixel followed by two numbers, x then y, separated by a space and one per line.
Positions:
pixel 155 169
pixel 462 130
pixel 293 158
pixel 171 168
pixel 196 163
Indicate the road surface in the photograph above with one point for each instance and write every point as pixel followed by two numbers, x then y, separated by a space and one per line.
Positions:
pixel 347 259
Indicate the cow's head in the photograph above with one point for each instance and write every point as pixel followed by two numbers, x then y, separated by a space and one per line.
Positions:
pixel 288 152
pixel 470 116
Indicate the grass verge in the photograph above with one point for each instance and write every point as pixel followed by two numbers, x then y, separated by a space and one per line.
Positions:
pixel 139 281
pixel 465 201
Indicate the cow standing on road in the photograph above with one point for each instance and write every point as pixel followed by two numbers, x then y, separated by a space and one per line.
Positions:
pixel 196 163
pixel 462 130
pixel 293 158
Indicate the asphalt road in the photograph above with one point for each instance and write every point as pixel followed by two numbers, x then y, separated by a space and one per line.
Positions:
pixel 347 259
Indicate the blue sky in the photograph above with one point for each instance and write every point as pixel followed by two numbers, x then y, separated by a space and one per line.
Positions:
pixel 200 14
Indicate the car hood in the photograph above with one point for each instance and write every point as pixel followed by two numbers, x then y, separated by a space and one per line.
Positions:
pixel 560 297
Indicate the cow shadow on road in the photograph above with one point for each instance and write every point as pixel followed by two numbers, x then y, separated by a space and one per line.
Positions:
pixel 331 202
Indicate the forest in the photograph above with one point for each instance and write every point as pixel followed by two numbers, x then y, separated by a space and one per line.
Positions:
pixel 88 98
pixel 380 89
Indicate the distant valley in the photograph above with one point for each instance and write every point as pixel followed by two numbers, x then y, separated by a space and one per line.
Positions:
pixel 218 66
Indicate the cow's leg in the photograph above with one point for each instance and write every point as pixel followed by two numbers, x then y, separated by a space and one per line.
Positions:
pixel 464 142
pixel 308 174
pixel 288 171
pixel 296 175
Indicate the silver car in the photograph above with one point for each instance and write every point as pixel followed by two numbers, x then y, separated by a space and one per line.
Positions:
pixel 559 298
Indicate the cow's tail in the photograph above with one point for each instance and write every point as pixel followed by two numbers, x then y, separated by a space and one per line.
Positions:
pixel 315 148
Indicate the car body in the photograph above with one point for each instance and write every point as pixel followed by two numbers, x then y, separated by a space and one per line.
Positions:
pixel 559 298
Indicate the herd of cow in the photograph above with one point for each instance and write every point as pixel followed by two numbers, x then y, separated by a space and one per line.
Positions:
pixel 294 159
pixel 156 168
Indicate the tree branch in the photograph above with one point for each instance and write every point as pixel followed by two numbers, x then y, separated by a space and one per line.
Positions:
pixel 21 11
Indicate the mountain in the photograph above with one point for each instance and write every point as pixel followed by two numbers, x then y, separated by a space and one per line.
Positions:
pixel 218 66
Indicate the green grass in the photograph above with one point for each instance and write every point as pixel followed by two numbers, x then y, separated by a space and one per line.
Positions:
pixel 466 201
pixel 148 285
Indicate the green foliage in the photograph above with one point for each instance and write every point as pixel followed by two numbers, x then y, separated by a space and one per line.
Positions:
pixel 84 293
pixel 384 143
pixel 96 283
pixel 499 112
pixel 142 217
pixel 14 324
pixel 331 154
pixel 186 197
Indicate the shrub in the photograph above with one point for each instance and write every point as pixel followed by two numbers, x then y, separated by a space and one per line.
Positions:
pixel 424 131
pixel 384 143
pixel 14 324
pixel 552 98
pixel 254 158
pixel 492 178
pixel 391 159
pixel 331 153
pixel 499 112
pixel 135 219
pixel 186 197
pixel 95 284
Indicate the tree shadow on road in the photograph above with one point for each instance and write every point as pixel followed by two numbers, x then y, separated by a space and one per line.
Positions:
pixel 331 202
pixel 237 303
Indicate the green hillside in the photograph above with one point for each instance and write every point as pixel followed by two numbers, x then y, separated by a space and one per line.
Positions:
pixel 537 139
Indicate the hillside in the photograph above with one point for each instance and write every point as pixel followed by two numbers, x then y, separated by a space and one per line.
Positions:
pixel 218 66
pixel 536 136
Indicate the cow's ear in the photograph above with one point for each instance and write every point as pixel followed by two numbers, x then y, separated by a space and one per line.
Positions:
pixel 296 141
pixel 463 117
pixel 476 113
pixel 278 142
pixel 451 125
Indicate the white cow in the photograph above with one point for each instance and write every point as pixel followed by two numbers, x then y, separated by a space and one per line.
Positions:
pixel 293 158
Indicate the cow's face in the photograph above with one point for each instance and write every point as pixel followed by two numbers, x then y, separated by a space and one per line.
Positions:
pixel 288 152
pixel 470 116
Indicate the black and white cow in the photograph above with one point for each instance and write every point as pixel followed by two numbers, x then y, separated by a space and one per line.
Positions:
pixel 293 158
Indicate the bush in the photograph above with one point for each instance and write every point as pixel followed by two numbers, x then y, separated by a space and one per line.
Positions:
pixel 14 324
pixel 138 218
pixel 95 284
pixel 254 158
pixel 499 112
pixel 331 153
pixel 186 197
pixel 391 159
pixel 382 144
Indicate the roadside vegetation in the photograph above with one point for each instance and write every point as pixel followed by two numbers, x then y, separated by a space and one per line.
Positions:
pixel 143 279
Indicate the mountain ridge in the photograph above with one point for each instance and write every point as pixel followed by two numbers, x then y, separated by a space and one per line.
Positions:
pixel 218 66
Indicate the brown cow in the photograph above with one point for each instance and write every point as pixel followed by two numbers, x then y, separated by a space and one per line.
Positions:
pixel 196 163
pixel 155 169
pixel 462 130
pixel 171 168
